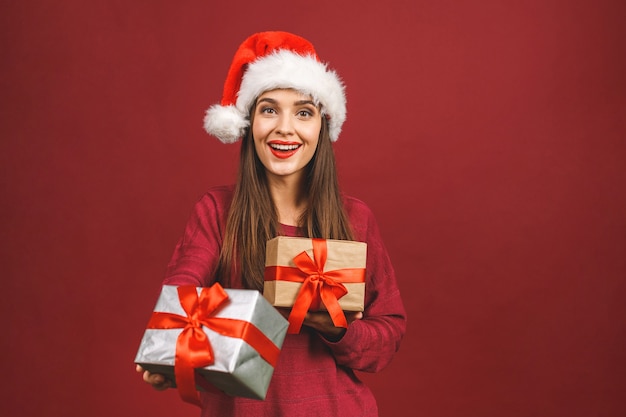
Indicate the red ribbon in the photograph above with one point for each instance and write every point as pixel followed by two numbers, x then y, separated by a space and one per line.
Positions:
pixel 193 348
pixel 317 285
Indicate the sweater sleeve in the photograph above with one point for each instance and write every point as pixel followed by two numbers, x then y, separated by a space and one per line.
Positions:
pixel 369 344
pixel 197 252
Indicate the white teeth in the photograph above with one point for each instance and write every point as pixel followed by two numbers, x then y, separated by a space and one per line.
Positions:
pixel 280 147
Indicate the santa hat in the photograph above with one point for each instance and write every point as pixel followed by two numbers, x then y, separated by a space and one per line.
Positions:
pixel 267 61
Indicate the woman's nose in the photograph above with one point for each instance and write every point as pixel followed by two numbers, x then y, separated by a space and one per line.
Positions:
pixel 285 125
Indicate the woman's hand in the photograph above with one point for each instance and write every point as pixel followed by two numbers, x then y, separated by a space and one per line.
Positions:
pixel 158 381
pixel 321 321
pixel 323 324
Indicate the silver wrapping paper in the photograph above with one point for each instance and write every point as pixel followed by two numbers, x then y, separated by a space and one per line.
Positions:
pixel 238 369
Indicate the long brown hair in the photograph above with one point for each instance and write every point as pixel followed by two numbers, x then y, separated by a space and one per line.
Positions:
pixel 253 219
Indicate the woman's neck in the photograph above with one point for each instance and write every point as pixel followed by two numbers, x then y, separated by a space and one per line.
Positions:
pixel 289 199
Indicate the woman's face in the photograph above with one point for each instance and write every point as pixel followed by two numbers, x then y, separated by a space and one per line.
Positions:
pixel 285 128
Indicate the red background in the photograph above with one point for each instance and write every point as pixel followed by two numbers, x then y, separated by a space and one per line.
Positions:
pixel 488 137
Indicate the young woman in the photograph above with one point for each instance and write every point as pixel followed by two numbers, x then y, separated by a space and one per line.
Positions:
pixel 288 108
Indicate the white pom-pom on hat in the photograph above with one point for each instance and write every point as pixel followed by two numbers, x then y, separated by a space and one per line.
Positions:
pixel 225 123
pixel 267 61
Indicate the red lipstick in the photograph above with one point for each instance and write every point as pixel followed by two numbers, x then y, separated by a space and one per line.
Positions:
pixel 283 150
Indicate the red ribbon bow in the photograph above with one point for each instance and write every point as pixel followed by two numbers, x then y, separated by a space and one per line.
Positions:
pixel 193 348
pixel 317 285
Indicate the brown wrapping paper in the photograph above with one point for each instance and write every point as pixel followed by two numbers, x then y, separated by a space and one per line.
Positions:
pixel 341 254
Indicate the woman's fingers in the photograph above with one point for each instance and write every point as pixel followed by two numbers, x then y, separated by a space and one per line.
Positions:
pixel 158 381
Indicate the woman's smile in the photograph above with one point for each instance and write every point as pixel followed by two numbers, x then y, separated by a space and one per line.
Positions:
pixel 283 150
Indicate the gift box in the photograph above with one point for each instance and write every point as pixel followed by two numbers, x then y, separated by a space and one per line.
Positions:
pixel 226 337
pixel 315 274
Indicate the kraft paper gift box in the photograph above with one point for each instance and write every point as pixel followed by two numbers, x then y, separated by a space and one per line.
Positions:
pixel 309 274
pixel 236 334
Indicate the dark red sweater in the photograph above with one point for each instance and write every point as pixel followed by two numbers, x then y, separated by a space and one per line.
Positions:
pixel 313 377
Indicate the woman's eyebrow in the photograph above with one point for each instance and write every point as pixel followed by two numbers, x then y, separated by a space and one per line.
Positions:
pixel 267 99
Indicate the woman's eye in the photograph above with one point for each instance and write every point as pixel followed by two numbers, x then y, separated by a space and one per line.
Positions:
pixel 305 113
pixel 268 110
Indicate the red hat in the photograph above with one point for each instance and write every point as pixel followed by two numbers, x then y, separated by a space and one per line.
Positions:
pixel 267 61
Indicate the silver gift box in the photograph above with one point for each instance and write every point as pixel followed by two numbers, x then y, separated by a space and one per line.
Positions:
pixel 238 369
